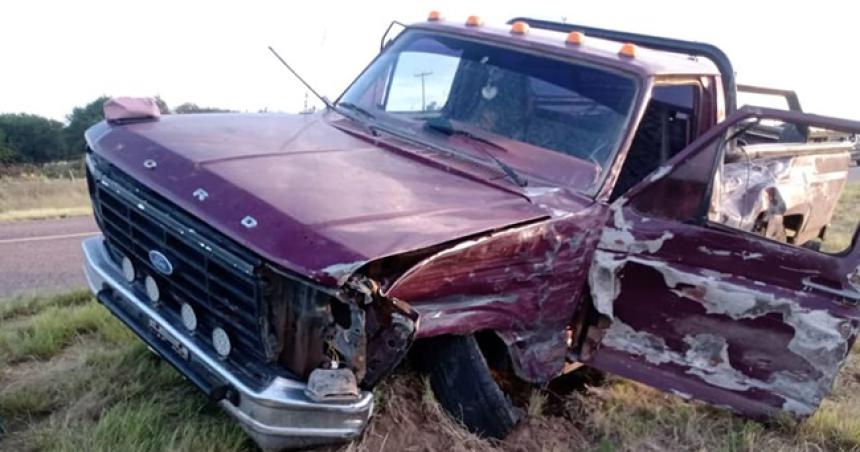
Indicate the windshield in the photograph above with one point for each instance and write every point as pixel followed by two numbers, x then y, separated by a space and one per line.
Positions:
pixel 544 119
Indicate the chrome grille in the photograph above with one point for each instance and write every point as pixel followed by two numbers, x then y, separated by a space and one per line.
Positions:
pixel 223 282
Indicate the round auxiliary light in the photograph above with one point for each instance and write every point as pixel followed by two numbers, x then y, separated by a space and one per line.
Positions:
pixel 221 342
pixel 519 28
pixel 474 21
pixel 152 291
pixel 628 50
pixel 189 317
pixel 575 38
pixel 128 271
pixel 434 16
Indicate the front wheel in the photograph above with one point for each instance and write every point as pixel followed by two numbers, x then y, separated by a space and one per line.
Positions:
pixel 464 386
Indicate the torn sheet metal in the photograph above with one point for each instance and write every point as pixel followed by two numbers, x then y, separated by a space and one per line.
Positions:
pixel 380 331
pixel 721 339
pixel 619 236
pixel 341 272
pixel 524 283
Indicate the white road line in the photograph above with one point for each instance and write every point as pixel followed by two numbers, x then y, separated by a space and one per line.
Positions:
pixel 48 237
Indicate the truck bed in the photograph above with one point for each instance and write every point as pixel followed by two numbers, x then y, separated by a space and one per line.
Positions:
pixel 787 191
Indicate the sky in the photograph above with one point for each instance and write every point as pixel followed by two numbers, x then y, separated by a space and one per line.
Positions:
pixel 55 55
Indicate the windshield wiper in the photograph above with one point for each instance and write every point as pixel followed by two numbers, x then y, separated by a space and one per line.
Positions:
pixel 358 109
pixel 448 129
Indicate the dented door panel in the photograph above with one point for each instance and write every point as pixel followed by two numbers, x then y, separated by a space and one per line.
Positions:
pixel 717 314
pixel 723 328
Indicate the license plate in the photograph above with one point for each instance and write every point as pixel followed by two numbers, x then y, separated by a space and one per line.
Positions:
pixel 169 338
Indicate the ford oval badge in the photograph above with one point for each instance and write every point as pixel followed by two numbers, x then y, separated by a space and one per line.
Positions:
pixel 160 262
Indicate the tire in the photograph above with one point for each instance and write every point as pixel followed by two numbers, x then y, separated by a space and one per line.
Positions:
pixel 464 386
pixel 814 245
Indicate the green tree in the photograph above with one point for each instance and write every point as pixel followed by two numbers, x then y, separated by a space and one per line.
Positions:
pixel 189 107
pixel 32 138
pixel 7 154
pixel 81 119
pixel 162 105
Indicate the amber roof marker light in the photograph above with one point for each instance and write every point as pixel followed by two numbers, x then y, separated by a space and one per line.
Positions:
pixel 519 28
pixel 575 38
pixel 628 50
pixel 434 16
pixel 474 21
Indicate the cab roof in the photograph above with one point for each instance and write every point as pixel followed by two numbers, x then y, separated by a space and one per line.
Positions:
pixel 647 61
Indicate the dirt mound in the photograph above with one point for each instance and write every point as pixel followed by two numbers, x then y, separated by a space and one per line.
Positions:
pixel 410 419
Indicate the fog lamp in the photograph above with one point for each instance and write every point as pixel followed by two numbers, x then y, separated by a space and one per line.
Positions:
pixel 189 317
pixel 128 271
pixel 151 287
pixel 221 342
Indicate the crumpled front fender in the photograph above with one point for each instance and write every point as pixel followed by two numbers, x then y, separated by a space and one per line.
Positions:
pixel 524 283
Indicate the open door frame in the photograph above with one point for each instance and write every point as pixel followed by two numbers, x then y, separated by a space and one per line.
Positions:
pixel 714 313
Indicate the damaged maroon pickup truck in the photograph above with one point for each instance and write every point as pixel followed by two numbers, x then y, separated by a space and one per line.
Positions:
pixel 524 198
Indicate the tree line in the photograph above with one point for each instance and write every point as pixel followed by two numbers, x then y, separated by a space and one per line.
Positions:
pixel 34 139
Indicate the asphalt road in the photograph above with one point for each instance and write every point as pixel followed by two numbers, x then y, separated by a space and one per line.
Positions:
pixel 42 256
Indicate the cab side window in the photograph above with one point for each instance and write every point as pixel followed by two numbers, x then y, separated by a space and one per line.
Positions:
pixel 667 127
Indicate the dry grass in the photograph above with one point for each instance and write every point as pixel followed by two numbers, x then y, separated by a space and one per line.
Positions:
pixel 845 220
pixel 32 197
pixel 94 386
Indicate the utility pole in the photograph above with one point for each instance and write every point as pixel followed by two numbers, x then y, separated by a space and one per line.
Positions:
pixel 423 98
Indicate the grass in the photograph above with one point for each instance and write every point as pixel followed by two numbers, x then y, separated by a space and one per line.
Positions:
pixel 74 378
pixel 36 197
pixel 845 220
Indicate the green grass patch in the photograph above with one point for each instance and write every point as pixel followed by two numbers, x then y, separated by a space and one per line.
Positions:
pixel 182 424
pixel 28 306
pixel 52 329
pixel 74 378
pixel 845 220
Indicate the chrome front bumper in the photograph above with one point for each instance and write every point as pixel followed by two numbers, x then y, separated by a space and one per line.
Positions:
pixel 278 415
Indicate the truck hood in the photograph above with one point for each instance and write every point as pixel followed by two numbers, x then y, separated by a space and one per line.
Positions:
pixel 313 198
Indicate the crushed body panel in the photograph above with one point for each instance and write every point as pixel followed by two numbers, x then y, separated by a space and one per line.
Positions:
pixel 524 283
